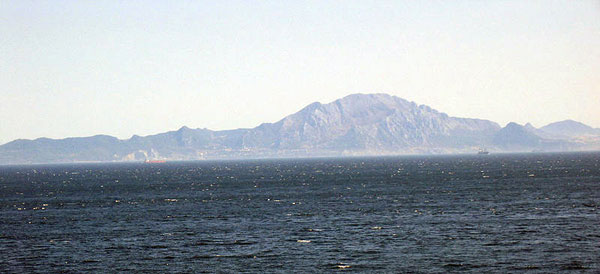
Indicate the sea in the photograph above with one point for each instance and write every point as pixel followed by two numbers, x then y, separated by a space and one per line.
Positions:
pixel 497 213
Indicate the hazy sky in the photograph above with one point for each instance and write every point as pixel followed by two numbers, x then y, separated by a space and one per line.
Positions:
pixel 79 68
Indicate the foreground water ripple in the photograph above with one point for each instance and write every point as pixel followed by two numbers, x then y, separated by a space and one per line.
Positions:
pixel 494 213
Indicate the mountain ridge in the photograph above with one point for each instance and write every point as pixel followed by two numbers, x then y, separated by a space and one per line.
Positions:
pixel 357 124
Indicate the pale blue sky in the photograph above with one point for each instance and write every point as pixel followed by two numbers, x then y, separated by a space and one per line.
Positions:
pixel 79 68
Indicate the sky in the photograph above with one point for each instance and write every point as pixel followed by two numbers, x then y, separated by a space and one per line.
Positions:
pixel 81 68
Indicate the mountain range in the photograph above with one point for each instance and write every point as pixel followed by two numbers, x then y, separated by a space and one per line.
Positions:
pixel 358 124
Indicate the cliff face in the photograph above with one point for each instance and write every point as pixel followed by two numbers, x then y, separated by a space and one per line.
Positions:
pixel 359 124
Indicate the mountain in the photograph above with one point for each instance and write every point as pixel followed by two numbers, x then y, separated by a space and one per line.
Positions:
pixel 375 122
pixel 45 150
pixel 358 124
pixel 517 137
pixel 569 128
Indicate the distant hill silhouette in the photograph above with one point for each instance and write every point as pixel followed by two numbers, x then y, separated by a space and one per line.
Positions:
pixel 569 128
pixel 358 124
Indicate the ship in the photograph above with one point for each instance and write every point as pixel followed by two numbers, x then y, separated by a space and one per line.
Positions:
pixel 483 152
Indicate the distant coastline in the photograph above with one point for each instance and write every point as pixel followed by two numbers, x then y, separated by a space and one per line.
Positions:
pixel 356 125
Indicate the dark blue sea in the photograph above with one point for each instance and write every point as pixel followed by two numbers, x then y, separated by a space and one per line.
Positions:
pixel 430 214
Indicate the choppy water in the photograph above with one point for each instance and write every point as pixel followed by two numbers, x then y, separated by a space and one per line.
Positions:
pixel 494 213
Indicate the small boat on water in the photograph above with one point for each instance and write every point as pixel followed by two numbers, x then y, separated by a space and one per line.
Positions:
pixel 483 152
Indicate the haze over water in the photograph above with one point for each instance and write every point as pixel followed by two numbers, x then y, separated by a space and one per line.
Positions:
pixel 493 213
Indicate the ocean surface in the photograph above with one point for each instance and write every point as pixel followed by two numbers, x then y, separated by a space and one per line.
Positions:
pixel 477 213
